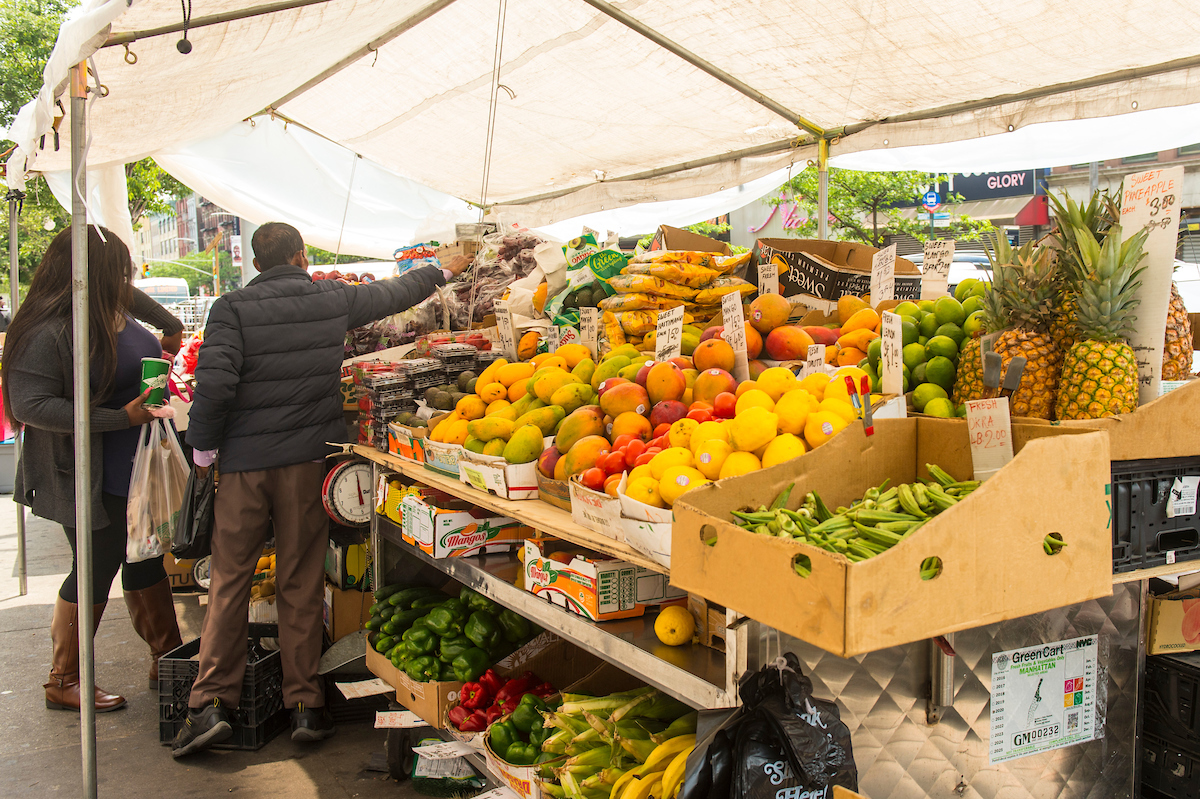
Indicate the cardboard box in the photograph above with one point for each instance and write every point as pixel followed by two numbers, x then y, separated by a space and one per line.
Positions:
pixel 994 564
pixel 442 458
pixel 346 565
pixel 1164 428
pixel 447 527
pixel 429 700
pixel 554 492
pixel 179 572
pixel 407 442
pixel 673 238
pixel 593 587
pixel 820 272
pixel 1174 623
pixel 497 476
pixel 595 510
pixel 645 527
pixel 463 247
pixel 345 612
pixel 711 621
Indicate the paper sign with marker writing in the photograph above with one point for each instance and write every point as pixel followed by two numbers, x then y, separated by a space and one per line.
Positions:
pixel 552 338
pixel 668 337
pixel 768 278
pixel 989 427
pixel 589 329
pixel 891 362
pixel 398 720
pixel 814 361
pixel 883 275
pixel 444 751
pixel 364 688
pixel 935 268
pixel 735 333
pixel 504 327
pixel 1152 200
pixel 498 793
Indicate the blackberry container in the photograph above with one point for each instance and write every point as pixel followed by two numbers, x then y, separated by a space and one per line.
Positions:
pixel 485 358
pixel 425 373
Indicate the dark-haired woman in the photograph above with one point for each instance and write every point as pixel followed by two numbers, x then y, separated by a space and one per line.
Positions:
pixel 38 387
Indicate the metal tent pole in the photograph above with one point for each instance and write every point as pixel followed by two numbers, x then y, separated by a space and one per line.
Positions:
pixel 83 427
pixel 822 188
pixel 15 301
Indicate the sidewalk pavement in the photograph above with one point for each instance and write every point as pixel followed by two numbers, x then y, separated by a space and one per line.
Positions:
pixel 40 748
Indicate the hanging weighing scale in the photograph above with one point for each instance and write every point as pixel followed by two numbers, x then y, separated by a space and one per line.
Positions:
pixel 346 493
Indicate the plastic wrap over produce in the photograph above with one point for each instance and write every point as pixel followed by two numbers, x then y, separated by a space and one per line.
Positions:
pixel 506 257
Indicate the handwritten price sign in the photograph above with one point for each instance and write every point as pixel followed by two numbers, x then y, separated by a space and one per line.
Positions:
pixel 935 268
pixel 735 333
pixel 504 327
pixel 668 337
pixel 891 354
pixel 814 361
pixel 989 428
pixel 768 278
pixel 589 329
pixel 883 275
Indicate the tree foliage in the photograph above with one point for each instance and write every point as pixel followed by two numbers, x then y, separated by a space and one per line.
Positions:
pixel 196 269
pixel 863 206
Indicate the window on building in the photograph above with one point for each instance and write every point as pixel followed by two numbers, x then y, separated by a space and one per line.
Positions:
pixel 1080 166
pixel 1191 149
pixel 1139 159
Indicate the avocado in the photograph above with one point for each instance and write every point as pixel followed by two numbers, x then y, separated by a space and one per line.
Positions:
pixel 471 385
pixel 458 396
pixel 406 418
pixel 430 393
pixel 464 380
pixel 443 401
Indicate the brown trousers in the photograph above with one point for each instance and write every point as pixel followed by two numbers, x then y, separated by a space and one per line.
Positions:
pixel 248 505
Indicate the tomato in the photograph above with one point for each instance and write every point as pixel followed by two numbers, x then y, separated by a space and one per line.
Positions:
pixel 620 441
pixel 662 430
pixel 610 485
pixel 700 414
pixel 633 451
pixel 612 463
pixel 593 478
pixel 725 405
pixel 645 457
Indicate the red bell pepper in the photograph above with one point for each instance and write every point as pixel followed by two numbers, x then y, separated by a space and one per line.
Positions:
pixel 493 714
pixel 474 696
pixel 492 681
pixel 515 688
pixel 544 690
pixel 457 715
pixel 476 722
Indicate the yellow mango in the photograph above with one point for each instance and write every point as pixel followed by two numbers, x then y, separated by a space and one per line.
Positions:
pixel 548 381
pixel 491 427
pixel 514 372
pixel 572 396
pixel 584 370
pixel 610 367
pixel 489 374
pixel 495 447
pixel 546 420
pixel 525 445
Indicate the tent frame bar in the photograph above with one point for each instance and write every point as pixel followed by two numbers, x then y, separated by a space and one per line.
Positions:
pixel 128 37
pixel 711 69
pixel 407 24
pixel 14 292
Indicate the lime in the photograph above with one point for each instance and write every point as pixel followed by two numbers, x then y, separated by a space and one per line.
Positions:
pixel 981 289
pixel 940 370
pixel 925 392
pixel 908 381
pixel 972 304
pixel 875 351
pixel 973 324
pixel 863 364
pixel 914 319
pixel 923 340
pixel 952 331
pixel 929 324
pixel 940 407
pixel 907 308
pixel 949 310
pixel 925 305
pixel 943 346
pixel 961 410
pixel 908 333
pixel 919 374
pixel 876 385
pixel 913 354
pixel 964 288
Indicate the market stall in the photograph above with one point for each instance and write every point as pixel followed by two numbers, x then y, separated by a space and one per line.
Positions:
pixel 538 174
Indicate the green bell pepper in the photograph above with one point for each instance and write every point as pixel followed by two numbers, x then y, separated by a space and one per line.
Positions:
pixel 513 626
pixel 446 622
pixel 470 664
pixel 420 639
pixel 450 648
pixel 446 672
pixel 522 754
pixel 538 732
pixel 483 630
pixel 527 712
pixel 502 736
pixel 476 601
pixel 423 668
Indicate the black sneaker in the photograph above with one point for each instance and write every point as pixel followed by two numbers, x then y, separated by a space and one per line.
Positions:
pixel 310 724
pixel 204 727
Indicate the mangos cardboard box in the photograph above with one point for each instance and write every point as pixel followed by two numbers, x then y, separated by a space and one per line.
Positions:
pixel 497 476
pixel 817 271
pixel 591 586
pixel 1174 622
pixel 447 527
pixel 993 564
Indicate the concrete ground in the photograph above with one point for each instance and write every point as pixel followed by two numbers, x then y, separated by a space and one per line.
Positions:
pixel 40 748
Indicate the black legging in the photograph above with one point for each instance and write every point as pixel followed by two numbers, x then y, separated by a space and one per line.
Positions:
pixel 108 555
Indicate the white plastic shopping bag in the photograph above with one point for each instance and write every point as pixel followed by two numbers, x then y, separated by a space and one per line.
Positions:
pixel 156 491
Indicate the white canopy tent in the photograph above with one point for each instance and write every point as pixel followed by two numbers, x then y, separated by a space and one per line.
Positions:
pixel 543 111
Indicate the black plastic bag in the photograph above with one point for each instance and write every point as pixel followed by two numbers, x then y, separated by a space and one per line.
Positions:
pixel 193 528
pixel 783 744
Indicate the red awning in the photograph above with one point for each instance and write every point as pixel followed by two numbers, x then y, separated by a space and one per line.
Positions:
pixel 1035 212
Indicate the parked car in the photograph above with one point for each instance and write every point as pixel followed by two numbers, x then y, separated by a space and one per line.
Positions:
pixel 165 290
pixel 964 265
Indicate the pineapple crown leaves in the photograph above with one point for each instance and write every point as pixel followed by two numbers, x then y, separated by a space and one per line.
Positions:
pixel 1031 296
pixel 1080 227
pixel 1106 293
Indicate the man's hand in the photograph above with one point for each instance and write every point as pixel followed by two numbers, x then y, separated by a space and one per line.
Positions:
pixel 172 344
pixel 457 265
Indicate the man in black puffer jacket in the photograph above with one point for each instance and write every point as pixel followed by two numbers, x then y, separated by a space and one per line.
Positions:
pixel 267 398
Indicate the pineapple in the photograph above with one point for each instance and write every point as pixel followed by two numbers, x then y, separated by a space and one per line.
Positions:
pixel 1100 374
pixel 1097 216
pixel 968 380
pixel 1177 343
pixel 1031 300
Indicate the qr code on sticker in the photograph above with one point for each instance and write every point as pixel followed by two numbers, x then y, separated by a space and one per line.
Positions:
pixel 1073 721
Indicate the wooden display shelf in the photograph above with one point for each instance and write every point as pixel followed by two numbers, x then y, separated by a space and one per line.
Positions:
pixel 1169 570
pixel 539 515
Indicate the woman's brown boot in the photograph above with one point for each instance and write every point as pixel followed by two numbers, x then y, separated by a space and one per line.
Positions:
pixel 62 692
pixel 152 611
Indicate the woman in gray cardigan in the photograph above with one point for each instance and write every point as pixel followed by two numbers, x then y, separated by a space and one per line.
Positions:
pixel 39 392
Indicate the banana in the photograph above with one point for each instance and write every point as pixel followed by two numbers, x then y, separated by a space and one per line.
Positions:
pixel 673 776
pixel 641 789
pixel 619 785
pixel 661 757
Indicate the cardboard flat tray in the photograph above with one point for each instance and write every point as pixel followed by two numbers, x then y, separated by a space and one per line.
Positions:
pixel 994 566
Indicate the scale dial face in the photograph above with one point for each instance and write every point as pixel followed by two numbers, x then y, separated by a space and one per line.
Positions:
pixel 347 493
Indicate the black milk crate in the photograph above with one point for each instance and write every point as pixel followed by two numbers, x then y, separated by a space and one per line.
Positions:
pixel 1173 698
pixel 1143 535
pixel 260 715
pixel 1169 769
